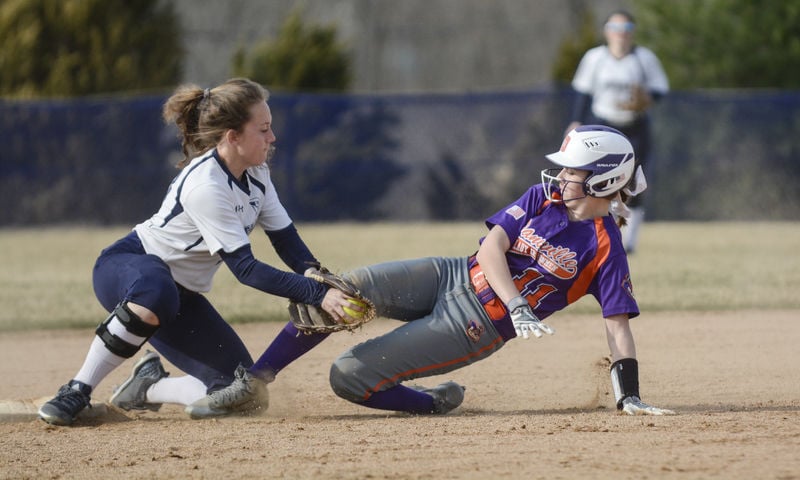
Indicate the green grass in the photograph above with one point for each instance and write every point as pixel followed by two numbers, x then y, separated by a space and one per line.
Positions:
pixel 45 281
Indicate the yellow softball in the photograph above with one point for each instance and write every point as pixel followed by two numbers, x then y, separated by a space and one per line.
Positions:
pixel 354 313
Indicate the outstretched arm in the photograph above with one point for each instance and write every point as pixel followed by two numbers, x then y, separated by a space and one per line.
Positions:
pixel 291 248
pixel 625 368
pixel 254 273
pixel 251 272
pixel 620 338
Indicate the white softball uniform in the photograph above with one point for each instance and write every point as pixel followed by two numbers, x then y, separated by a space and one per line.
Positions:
pixel 610 80
pixel 207 210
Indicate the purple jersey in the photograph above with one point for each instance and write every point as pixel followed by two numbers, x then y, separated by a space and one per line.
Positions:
pixel 554 261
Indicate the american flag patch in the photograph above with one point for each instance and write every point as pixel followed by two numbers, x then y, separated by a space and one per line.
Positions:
pixel 516 211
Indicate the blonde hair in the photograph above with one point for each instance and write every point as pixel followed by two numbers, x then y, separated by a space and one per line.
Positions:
pixel 204 115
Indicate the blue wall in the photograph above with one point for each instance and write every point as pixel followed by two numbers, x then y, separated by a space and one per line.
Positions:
pixel 718 156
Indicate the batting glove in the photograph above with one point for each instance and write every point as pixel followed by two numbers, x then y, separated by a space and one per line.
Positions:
pixel 634 406
pixel 525 322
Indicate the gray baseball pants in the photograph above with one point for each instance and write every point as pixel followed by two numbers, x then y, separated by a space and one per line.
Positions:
pixel 445 328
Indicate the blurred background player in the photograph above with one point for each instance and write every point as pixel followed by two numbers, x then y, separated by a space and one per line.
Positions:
pixel 152 280
pixel 553 245
pixel 617 84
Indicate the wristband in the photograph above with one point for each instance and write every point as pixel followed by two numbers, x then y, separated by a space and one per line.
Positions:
pixel 516 302
pixel 625 379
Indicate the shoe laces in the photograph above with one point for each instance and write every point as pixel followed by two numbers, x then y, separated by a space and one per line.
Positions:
pixel 72 397
pixel 241 388
pixel 153 369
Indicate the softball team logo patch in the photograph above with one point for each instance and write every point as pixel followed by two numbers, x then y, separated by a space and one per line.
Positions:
pixel 475 330
pixel 628 285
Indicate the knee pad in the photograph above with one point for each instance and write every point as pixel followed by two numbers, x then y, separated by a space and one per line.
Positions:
pixel 123 332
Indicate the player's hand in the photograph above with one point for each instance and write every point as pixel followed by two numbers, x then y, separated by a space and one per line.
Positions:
pixel 334 302
pixel 525 322
pixel 634 406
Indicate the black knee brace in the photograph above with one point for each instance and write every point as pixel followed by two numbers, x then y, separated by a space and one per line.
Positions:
pixel 132 324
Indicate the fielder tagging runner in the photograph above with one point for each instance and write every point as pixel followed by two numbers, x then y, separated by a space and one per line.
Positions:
pixel 556 243
pixel 152 281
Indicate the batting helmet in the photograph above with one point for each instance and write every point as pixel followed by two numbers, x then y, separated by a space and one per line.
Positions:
pixel 605 152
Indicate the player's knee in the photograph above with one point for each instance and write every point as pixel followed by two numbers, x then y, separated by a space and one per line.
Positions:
pixel 124 332
pixel 163 298
pixel 143 313
pixel 343 378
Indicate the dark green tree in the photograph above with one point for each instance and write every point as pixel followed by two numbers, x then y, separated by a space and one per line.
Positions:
pixel 723 43
pixel 57 48
pixel 705 44
pixel 572 48
pixel 302 58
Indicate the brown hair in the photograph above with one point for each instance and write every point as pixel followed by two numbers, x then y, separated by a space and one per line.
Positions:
pixel 203 116
pixel 623 197
pixel 624 13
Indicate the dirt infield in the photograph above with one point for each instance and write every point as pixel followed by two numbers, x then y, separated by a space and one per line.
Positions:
pixel 537 409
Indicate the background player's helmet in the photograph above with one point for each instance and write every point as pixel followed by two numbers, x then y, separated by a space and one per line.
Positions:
pixel 605 152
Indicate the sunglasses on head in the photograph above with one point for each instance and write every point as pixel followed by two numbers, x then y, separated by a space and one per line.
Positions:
pixel 620 26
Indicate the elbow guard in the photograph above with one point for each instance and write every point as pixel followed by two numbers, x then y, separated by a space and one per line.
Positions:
pixel 625 379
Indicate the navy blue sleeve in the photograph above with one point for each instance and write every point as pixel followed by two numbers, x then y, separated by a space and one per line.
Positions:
pixel 266 278
pixel 291 248
pixel 580 109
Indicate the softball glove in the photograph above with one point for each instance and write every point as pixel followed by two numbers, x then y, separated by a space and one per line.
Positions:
pixel 313 319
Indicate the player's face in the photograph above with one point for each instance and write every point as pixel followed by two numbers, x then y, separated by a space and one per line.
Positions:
pixel 619 30
pixel 570 182
pixel 255 143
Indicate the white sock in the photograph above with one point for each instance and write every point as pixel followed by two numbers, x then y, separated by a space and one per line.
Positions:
pixel 98 364
pixel 182 390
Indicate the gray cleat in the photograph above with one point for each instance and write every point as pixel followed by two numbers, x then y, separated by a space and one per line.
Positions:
pixel 132 395
pixel 70 400
pixel 246 394
pixel 446 396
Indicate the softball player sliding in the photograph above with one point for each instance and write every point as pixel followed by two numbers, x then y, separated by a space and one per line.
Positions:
pixel 547 249
pixel 151 280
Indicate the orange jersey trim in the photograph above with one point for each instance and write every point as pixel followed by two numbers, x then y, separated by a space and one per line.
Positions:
pixel 581 285
pixel 494 307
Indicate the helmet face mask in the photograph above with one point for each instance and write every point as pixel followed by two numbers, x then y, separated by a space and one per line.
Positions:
pixel 602 151
pixel 550 182
pixel 556 185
